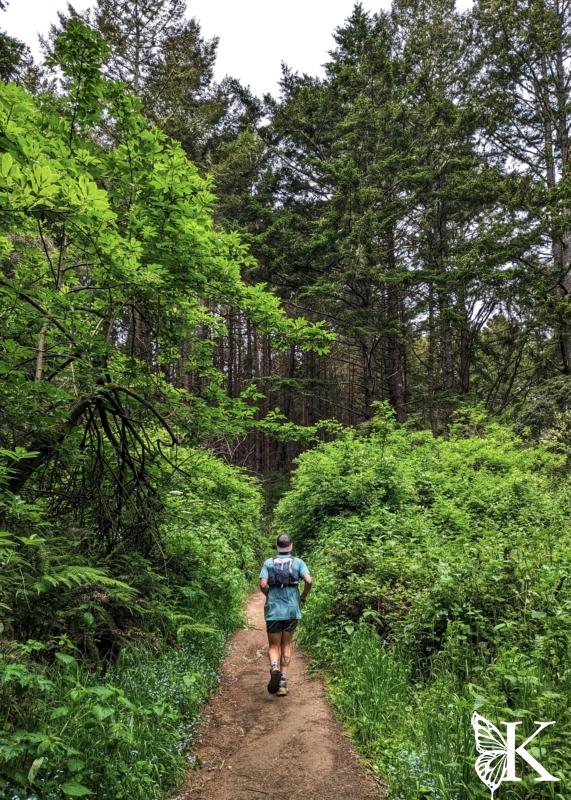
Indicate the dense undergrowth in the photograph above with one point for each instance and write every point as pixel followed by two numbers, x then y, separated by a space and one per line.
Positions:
pixel 107 658
pixel 442 571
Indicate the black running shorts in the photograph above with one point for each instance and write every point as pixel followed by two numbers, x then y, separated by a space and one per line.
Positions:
pixel 279 625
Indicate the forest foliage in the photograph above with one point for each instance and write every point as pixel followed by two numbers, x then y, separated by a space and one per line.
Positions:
pixel 126 547
pixel 196 280
pixel 415 197
pixel 106 658
pixel 442 569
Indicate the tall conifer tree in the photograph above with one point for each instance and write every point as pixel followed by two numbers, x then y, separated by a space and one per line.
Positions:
pixel 525 83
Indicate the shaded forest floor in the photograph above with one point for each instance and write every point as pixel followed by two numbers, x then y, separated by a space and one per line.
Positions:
pixel 252 744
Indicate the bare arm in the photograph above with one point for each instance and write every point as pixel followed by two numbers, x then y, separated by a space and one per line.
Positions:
pixel 264 586
pixel 307 584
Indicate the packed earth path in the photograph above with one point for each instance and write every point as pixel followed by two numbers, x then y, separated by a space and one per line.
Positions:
pixel 252 744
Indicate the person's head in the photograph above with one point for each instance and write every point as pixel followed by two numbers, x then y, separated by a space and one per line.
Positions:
pixel 284 543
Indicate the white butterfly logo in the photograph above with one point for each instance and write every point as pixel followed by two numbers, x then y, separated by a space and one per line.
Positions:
pixel 491 764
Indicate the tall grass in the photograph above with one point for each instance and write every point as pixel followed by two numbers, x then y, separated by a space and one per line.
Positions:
pixel 370 687
pixel 418 736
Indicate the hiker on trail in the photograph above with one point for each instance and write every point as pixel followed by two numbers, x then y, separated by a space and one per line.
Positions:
pixel 279 579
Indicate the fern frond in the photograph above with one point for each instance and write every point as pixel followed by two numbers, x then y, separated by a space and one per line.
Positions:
pixel 72 576
pixel 197 628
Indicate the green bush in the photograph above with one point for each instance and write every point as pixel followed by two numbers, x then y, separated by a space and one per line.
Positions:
pixel 122 736
pixel 106 661
pixel 442 587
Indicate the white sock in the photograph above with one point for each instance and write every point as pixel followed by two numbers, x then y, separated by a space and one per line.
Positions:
pixel 274 665
pixel 284 677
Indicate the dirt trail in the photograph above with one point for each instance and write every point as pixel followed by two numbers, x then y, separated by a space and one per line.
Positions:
pixel 253 744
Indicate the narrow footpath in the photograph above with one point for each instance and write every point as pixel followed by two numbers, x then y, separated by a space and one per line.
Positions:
pixel 252 744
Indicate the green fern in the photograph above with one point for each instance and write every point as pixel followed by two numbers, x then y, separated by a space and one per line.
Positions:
pixel 72 576
pixel 197 628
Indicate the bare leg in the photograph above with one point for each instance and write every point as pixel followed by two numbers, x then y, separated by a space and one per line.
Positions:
pixel 285 658
pixel 285 651
pixel 274 649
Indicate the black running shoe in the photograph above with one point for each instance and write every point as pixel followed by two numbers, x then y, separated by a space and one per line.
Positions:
pixel 274 684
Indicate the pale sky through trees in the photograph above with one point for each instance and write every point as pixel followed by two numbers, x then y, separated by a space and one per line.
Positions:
pixel 255 35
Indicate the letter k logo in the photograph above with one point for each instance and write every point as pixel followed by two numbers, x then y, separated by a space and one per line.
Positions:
pixel 522 752
pixel 497 760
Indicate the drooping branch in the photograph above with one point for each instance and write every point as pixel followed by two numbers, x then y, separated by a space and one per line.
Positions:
pixel 45 448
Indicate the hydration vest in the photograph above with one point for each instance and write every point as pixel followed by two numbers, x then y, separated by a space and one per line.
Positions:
pixel 282 573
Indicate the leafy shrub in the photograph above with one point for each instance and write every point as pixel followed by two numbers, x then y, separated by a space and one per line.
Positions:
pixel 124 736
pixel 441 572
pixel 105 662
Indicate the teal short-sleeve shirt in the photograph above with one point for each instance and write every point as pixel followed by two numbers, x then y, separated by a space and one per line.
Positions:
pixel 283 602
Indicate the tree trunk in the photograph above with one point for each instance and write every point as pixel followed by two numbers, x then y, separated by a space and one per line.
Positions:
pixel 395 347
pixel 560 238
pixel 368 366
pixel 465 347
pixel 431 366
